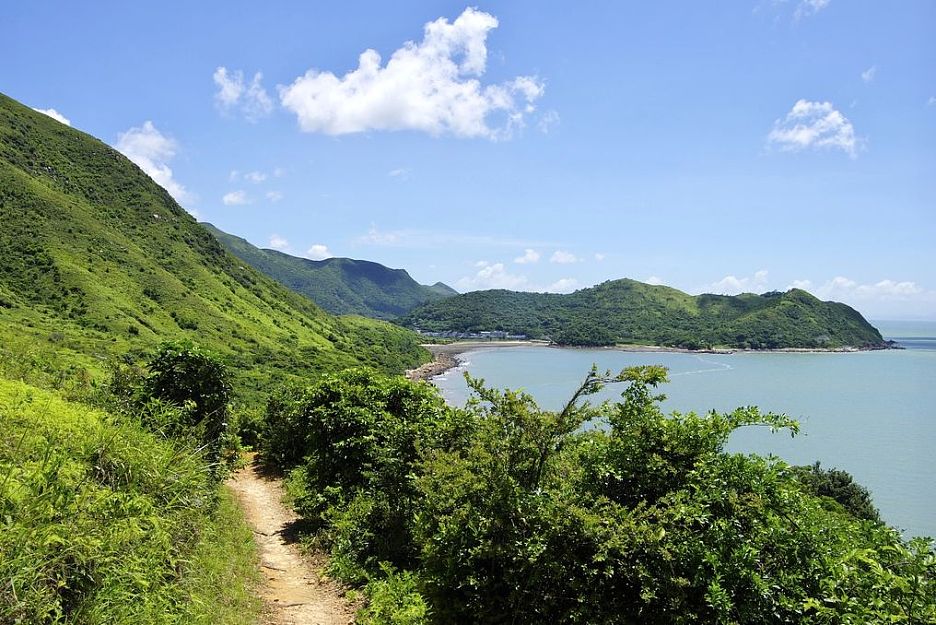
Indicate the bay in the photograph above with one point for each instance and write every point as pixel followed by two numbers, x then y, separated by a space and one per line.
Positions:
pixel 872 414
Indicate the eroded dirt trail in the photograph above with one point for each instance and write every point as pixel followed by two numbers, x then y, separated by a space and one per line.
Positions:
pixel 295 592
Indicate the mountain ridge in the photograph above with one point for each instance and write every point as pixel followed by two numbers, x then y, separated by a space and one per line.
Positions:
pixel 339 285
pixel 626 311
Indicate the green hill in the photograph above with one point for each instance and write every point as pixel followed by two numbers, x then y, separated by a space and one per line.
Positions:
pixel 341 286
pixel 631 312
pixel 97 260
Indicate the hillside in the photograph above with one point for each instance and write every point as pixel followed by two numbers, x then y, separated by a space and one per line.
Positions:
pixel 631 312
pixel 341 286
pixel 97 260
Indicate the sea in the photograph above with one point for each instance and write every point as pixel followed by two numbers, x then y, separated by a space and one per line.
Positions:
pixel 871 413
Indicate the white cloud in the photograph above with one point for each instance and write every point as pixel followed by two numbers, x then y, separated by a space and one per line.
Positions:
pixel 814 125
pixel 55 115
pixel 278 243
pixel 805 8
pixel 318 252
pixel 868 74
pixel 429 239
pixel 255 177
pixel 235 198
pixel 732 285
pixel 151 151
pixel 843 288
pixel 274 196
pixel 377 237
pixel 600 257
pixel 548 121
pixel 931 101
pixel 430 86
pixel 492 276
pixel 563 285
pixel 400 173
pixel 251 99
pixel 529 256
pixel 805 285
pixel 654 280
pixel 234 176
pixel 563 257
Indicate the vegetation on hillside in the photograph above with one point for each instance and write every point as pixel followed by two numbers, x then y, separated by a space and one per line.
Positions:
pixel 342 286
pixel 97 260
pixel 630 312
pixel 500 512
pixel 102 521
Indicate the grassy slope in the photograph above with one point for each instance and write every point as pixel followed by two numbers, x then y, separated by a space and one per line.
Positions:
pixel 96 259
pixel 626 311
pixel 339 285
pixel 103 522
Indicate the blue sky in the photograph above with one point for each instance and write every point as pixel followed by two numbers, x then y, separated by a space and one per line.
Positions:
pixel 712 147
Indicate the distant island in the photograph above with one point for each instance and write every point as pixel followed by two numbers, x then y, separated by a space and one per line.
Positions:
pixel 628 312
pixel 342 286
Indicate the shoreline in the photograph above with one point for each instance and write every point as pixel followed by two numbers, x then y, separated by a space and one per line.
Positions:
pixel 446 355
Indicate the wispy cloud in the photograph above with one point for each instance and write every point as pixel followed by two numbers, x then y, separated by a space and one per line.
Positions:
pixel 816 125
pixel 274 196
pixel 234 94
pixel 868 75
pixel 400 173
pixel 279 243
pixel 805 8
pixel 563 257
pixel 529 256
pixel 430 239
pixel 732 285
pixel 318 251
pixel 235 198
pixel 430 86
pixel 55 115
pixel 152 151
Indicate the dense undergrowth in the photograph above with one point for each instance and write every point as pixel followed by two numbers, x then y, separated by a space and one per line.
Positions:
pixel 500 512
pixel 105 522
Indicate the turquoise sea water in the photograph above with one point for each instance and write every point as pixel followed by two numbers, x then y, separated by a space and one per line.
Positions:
pixel 872 414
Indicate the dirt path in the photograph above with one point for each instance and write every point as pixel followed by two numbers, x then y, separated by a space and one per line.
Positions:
pixel 295 592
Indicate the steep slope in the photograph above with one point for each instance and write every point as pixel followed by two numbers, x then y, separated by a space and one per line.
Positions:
pixel 627 311
pixel 339 285
pixel 96 259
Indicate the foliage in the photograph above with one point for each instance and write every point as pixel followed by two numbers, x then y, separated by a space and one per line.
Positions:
pixel 615 513
pixel 342 286
pixel 97 260
pixel 839 486
pixel 395 599
pixel 103 522
pixel 630 312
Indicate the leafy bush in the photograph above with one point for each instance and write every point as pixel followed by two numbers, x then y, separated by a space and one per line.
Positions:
pixel 839 486
pixel 503 512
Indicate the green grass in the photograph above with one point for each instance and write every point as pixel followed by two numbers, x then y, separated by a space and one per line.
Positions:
pixel 103 522
pixel 97 261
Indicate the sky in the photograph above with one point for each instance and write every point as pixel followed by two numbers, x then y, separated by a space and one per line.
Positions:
pixel 721 147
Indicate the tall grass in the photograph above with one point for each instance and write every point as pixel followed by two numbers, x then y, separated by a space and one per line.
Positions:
pixel 103 522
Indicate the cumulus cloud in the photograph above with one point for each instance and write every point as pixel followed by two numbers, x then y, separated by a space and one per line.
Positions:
pixel 868 75
pixel 529 256
pixel 278 243
pixel 430 86
pixel 55 115
pixel 318 252
pixel 805 285
pixel 152 151
pixel 563 285
pixel 654 280
pixel 235 198
pixel 255 177
pixel 492 276
pixel 274 196
pixel 600 257
pixel 732 285
pixel 805 8
pixel 816 125
pixel 881 298
pixel 234 94
pixel 563 257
